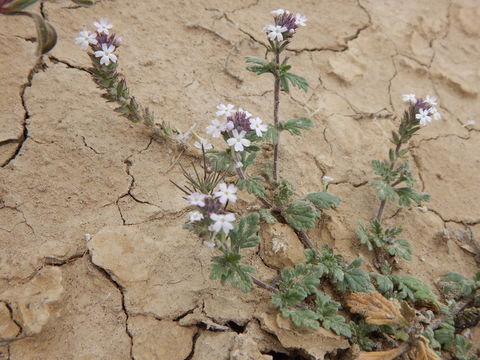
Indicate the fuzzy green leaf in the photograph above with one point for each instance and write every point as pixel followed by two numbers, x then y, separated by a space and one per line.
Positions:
pixel 445 335
pixel 242 235
pixel 266 215
pixel 414 289
pixel 323 200
pixel 295 80
pixel 327 314
pixel 385 191
pixel 301 215
pixel 407 195
pixel 228 269
pixel 360 333
pixel 456 285
pixel 355 279
pixel 301 317
pixel 252 185
pixel 401 248
pixel 384 284
pixel 220 160
pixel 294 126
pixel 261 66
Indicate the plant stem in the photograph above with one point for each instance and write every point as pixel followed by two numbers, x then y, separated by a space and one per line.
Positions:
pixel 262 284
pixel 381 209
pixel 276 105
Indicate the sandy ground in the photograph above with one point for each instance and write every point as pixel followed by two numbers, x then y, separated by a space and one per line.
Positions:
pixel 140 289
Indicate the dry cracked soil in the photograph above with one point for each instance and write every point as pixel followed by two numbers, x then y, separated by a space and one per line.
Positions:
pixel 140 287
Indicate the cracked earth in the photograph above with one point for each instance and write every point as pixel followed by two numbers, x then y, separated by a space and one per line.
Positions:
pixel 139 288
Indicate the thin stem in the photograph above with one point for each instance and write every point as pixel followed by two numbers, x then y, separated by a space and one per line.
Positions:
pixel 262 284
pixel 276 105
pixel 381 209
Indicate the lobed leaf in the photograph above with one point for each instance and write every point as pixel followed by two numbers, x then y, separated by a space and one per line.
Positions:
pixel 301 215
pixel 294 126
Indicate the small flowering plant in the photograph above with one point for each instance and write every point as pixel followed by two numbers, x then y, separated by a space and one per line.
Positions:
pixel 386 299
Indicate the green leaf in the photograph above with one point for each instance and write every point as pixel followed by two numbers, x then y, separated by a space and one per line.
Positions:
pixel 228 269
pixel 407 195
pixel 220 160
pixel 462 347
pixel 364 236
pixel 414 289
pixel 445 335
pixel 433 343
pixel 360 333
pixel 384 284
pixel 261 66
pixel 301 215
pixel 301 317
pixel 401 248
pixel 327 313
pixel 283 192
pixel 295 125
pixel 295 80
pixel 385 191
pixel 242 235
pixel 252 185
pixel 381 168
pixel 271 134
pixel 323 200
pixel 266 215
pixel 355 279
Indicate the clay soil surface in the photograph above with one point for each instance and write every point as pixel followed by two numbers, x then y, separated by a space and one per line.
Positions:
pixel 140 288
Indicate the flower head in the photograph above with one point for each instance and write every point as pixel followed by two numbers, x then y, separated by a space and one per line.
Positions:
pixel 239 121
pixel 226 193
pixel 238 140
pixel 256 124
pixel 106 55
pixel 85 38
pixel 435 114
pixel 103 26
pixel 197 199
pixel 423 116
pixel 195 216
pixel 225 110
pixel 203 143
pixel 222 222
pixel 216 128
pixel 411 98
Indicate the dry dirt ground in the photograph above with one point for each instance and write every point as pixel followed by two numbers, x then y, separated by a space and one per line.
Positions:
pixel 139 289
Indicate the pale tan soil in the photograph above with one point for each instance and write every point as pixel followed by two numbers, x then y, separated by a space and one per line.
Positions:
pixel 140 288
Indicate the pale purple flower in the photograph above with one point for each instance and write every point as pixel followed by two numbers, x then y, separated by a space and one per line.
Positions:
pixel 102 26
pixel 197 199
pixel 411 98
pixel 423 116
pixel 225 110
pixel 226 193
pixel 256 124
pixel 216 128
pixel 247 114
pixel 431 100
pixel 435 114
pixel 300 20
pixel 222 222
pixel 275 32
pixel 106 55
pixel 195 216
pixel 85 38
pixel 238 140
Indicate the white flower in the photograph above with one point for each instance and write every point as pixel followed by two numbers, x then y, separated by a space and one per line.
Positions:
pixel 226 193
pixel 229 125
pixel 409 98
pixel 197 199
pixel 238 165
pixel 256 124
pixel 278 12
pixel 222 222
pixel 435 114
pixel 85 37
pixel 327 179
pixel 195 216
pixel 216 128
pixel 203 142
pixel 431 100
pixel 238 140
pixel 275 32
pixel 226 110
pixel 102 26
pixel 87 237
pixel 300 19
pixel 106 54
pixel 423 117
pixel 247 114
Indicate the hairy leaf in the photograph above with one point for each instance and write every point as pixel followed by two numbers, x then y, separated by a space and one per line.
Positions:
pixel 295 125
pixel 327 311
pixel 261 66
pixel 407 195
pixel 301 215
pixel 385 191
pixel 384 284
pixel 252 185
pixel 355 279
pixel 414 289
pixel 295 80
pixel 242 235
pixel 266 215
pixel 323 200
pixel 456 285
pixel 401 248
